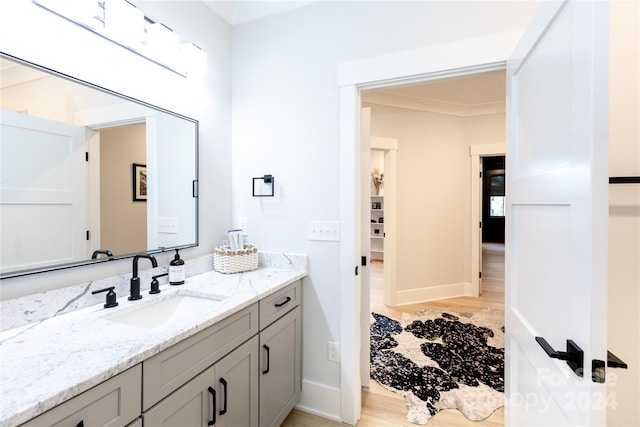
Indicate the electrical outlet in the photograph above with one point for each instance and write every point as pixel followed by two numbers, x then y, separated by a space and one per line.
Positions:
pixel 333 351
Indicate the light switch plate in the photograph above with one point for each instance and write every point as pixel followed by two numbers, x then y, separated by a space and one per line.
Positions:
pixel 168 225
pixel 324 230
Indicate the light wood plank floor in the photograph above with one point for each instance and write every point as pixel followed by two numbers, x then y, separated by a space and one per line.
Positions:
pixel 383 408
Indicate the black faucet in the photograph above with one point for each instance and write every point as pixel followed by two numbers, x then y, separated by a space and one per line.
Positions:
pixel 100 251
pixel 135 280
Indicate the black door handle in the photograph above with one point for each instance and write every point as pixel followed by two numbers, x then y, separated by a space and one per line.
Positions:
pixel 574 355
pixel 224 396
pixel 213 400
pixel 266 347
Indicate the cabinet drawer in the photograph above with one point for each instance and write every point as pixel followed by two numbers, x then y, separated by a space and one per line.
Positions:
pixel 275 306
pixel 113 403
pixel 173 367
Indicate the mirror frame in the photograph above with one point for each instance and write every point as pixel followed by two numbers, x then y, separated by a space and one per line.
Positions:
pixel 195 189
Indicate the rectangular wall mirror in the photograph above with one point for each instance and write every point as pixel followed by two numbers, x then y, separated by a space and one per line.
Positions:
pixel 88 175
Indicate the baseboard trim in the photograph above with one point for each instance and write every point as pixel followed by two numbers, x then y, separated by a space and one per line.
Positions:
pixel 433 293
pixel 320 399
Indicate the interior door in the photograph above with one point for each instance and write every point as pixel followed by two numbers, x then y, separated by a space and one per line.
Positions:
pixel 556 253
pixel 42 197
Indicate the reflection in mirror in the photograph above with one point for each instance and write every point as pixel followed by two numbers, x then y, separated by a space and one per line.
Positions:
pixel 67 184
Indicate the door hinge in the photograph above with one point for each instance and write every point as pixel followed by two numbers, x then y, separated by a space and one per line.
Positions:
pixel 363 261
pixel 86 156
pixel 88 235
pixel 480 224
pixel 480 174
pixel 195 188
pixel 480 274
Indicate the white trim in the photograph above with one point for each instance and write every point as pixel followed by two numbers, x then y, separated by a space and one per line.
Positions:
pixel 378 143
pixel 476 152
pixel 433 105
pixel 432 293
pixel 413 65
pixel 458 58
pixel 350 402
pixel 320 399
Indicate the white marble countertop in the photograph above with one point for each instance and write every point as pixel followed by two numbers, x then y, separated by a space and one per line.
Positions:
pixel 46 363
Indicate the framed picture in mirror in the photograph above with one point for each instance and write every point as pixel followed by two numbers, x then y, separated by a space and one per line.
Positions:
pixel 139 182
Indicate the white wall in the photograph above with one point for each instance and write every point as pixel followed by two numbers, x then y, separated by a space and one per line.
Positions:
pixel 434 196
pixel 34 34
pixel 286 122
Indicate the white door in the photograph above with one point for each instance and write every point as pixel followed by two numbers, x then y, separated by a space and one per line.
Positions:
pixel 42 192
pixel 556 253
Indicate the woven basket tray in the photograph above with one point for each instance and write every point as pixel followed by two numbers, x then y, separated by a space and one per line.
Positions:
pixel 235 261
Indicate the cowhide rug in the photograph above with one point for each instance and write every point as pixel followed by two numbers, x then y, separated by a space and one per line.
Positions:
pixel 441 360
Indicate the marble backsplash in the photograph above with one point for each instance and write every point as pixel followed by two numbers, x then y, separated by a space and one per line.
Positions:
pixel 39 306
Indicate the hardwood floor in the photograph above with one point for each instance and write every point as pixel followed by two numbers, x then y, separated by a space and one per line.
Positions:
pixel 383 408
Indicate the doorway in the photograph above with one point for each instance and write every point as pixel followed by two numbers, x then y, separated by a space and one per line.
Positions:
pixel 493 199
pixel 466 57
pixel 470 113
pixel 439 125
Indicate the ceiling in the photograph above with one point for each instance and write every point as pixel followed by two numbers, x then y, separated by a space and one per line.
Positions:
pixel 464 96
pixel 240 11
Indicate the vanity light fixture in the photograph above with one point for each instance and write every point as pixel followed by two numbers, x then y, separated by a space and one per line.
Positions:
pixel 126 25
pixel 268 182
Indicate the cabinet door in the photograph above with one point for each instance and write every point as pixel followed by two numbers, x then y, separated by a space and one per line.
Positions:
pixel 236 383
pixel 114 403
pixel 192 405
pixel 173 367
pixel 280 359
pixel 226 394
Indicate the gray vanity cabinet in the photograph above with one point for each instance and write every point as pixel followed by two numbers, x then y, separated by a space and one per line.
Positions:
pixel 280 355
pixel 113 403
pixel 172 368
pixel 242 371
pixel 224 395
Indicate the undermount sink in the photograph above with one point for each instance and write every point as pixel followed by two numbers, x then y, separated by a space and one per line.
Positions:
pixel 175 308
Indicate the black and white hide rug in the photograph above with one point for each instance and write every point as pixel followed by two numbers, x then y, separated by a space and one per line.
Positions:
pixel 441 360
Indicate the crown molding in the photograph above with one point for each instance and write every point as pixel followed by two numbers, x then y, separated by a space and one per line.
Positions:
pixel 432 105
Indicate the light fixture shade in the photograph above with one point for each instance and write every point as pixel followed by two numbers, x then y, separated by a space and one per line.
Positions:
pixel 86 13
pixel 123 22
pixel 192 59
pixel 163 44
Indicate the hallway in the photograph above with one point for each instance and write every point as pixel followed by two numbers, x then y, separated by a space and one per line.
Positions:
pixel 383 408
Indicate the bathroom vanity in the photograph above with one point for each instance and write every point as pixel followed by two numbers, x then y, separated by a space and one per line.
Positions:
pixel 221 350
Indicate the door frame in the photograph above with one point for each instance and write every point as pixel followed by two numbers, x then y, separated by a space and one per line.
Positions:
pixel 477 152
pixel 452 59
